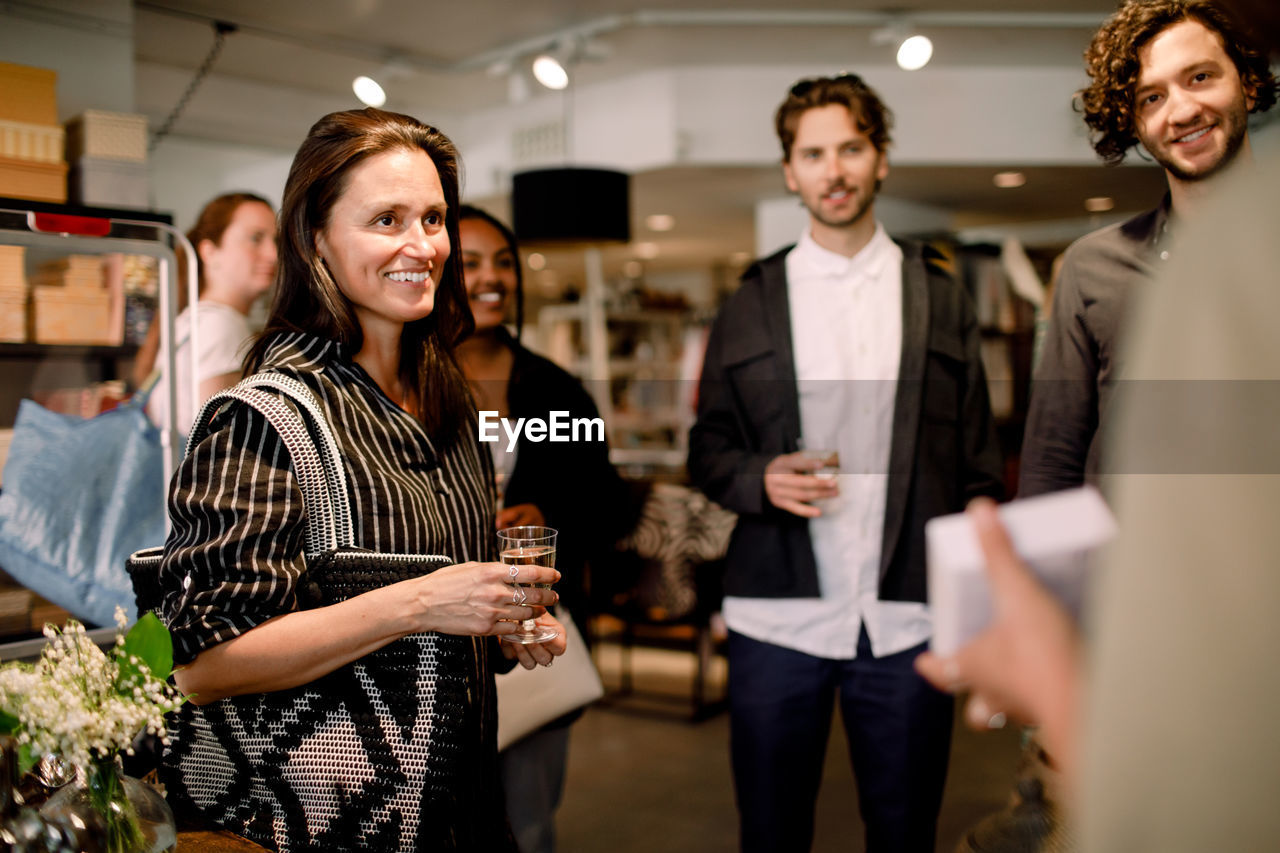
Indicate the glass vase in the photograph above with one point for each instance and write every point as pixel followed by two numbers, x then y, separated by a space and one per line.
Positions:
pixel 130 816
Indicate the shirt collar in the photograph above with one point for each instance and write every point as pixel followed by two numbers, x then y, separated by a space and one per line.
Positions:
pixel 817 261
pixel 1165 220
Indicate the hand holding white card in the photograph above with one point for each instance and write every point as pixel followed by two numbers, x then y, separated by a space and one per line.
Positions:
pixel 1057 535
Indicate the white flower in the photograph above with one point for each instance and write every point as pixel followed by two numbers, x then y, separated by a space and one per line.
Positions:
pixel 77 702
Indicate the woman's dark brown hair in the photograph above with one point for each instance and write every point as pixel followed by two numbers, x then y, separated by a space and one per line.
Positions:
pixel 307 298
pixel 1112 63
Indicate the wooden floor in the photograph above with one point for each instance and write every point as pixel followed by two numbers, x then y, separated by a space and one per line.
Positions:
pixel 643 778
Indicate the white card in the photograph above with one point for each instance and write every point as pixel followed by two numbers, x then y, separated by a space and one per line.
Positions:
pixel 1057 534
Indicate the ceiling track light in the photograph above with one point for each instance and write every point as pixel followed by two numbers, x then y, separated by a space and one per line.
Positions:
pixel 369 91
pixel 914 53
pixel 913 50
pixel 369 88
pixel 551 67
pixel 550 70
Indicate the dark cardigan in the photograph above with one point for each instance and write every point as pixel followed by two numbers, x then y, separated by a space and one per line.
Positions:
pixel 579 492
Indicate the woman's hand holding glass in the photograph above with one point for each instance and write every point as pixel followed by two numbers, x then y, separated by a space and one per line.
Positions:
pixel 530 655
pixel 520 549
pixel 478 599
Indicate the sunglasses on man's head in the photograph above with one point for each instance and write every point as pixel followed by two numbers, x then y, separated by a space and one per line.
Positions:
pixel 802 88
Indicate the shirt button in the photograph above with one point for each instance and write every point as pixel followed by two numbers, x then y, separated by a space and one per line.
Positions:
pixel 1164 256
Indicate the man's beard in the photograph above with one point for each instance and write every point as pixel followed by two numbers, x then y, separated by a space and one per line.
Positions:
pixel 1236 123
pixel 864 204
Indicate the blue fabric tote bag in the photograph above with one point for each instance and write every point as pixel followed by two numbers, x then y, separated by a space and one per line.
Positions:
pixel 79 496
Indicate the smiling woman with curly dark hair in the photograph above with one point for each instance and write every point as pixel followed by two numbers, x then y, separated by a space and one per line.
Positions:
pixel 1113 64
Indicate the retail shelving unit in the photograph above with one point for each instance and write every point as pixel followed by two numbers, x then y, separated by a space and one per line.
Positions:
pixel 633 363
pixel 48 232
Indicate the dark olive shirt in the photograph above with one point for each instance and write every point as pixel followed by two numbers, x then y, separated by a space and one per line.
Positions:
pixel 1075 381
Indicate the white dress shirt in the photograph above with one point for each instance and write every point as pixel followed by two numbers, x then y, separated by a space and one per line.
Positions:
pixel 846 334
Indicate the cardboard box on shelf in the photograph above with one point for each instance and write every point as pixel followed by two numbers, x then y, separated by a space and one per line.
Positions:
pixel 13 294
pixel 24 141
pixel 33 180
pixel 13 272
pixel 68 281
pixel 74 264
pixel 99 182
pixel 28 94
pixel 13 316
pixel 107 135
pixel 62 316
pixel 73 272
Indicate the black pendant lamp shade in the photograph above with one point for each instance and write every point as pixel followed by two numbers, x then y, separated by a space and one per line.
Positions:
pixel 571 205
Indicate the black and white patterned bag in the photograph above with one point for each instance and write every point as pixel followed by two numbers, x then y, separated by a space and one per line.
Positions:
pixel 386 753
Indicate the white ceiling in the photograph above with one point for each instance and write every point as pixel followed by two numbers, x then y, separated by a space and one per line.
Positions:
pixel 444 51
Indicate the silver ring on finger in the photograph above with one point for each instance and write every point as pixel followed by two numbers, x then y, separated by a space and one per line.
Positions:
pixel 513 571
pixel 523 595
pixel 517 595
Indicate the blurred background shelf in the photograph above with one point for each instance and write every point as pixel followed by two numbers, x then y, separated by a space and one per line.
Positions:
pixel 643 383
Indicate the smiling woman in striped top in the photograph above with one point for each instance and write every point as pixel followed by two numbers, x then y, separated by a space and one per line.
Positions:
pixel 369 304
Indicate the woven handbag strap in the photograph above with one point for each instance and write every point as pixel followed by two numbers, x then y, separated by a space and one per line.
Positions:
pixel 335 473
pixel 310 442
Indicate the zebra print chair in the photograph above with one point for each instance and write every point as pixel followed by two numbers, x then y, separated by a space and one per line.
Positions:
pixel 679 542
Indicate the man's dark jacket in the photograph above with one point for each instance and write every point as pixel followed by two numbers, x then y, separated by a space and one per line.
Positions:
pixel 944 450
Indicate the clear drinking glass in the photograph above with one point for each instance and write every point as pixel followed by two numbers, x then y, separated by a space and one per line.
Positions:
pixel 529 545
pixel 824 450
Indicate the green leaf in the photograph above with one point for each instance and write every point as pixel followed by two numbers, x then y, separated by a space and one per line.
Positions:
pixel 149 640
pixel 8 723
pixel 26 759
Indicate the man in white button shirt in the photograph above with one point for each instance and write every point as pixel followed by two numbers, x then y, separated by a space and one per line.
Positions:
pixel 865 346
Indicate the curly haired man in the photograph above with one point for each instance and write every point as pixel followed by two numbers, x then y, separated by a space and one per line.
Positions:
pixel 1179 77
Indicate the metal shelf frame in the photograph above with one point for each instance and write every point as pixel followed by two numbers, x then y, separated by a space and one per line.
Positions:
pixel 65 229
